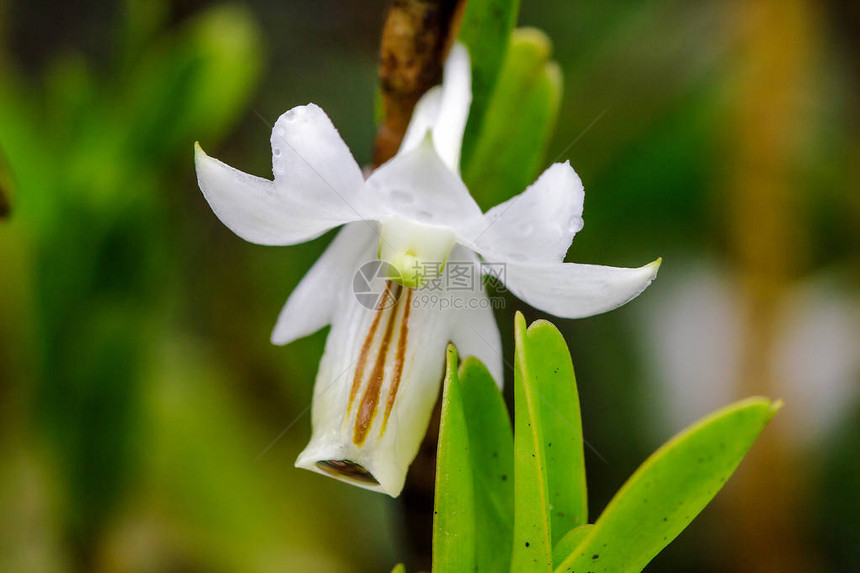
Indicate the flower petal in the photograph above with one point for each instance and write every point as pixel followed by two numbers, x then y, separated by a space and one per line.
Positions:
pixel 454 108
pixel 309 158
pixel 316 185
pixel 424 116
pixel 417 185
pixel 375 390
pixel 571 290
pixel 539 223
pixel 444 110
pixel 255 209
pixel 312 303
pixel 475 332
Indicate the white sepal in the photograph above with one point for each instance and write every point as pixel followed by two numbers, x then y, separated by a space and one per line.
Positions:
pixel 443 111
pixel 454 108
pixel 539 223
pixel 316 184
pixel 424 116
pixel 570 290
pixel 311 162
pixel 417 185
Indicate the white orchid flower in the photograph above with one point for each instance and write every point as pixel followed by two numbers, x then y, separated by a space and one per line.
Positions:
pixel 380 373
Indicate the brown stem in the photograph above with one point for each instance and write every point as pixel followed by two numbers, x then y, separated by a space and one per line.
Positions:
pixel 415 39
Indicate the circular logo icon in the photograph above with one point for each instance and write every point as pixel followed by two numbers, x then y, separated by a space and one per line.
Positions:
pixel 370 285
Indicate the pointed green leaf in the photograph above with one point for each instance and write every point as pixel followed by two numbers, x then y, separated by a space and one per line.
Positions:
pixel 511 145
pixel 485 30
pixel 473 521
pixel 569 542
pixel 550 494
pixel 399 568
pixel 491 445
pixel 670 489
pixel 454 515
pixel 549 370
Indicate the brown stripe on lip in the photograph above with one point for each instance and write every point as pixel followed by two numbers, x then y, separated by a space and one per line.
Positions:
pixel 370 400
pixel 368 342
pixel 402 341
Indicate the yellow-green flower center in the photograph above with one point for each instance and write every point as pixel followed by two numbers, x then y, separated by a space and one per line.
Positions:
pixel 416 251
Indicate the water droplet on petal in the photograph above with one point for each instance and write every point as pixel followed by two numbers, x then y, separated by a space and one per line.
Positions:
pixel 400 197
pixel 574 224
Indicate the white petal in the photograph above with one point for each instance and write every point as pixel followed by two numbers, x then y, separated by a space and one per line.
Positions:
pixel 571 290
pixel 258 210
pixel 315 189
pixel 311 305
pixel 424 116
pixel 443 110
pixel 477 335
pixel 375 391
pixel 418 186
pixel 454 109
pixel 475 332
pixel 309 158
pixel 538 224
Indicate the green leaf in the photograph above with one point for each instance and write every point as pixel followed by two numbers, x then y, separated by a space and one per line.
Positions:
pixel 491 445
pixel 473 522
pixel 549 370
pixel 454 515
pixel 569 542
pixel 399 568
pixel 670 489
pixel 485 30
pixel 532 536
pixel 550 494
pixel 511 145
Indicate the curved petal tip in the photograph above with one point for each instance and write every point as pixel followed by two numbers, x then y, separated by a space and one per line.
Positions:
pixel 654 267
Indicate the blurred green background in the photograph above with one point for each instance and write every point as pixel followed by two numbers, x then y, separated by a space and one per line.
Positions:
pixel 137 384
